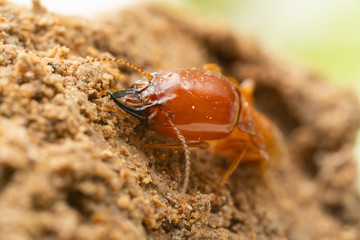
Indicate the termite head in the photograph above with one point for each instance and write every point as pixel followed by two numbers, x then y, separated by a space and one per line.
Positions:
pixel 203 104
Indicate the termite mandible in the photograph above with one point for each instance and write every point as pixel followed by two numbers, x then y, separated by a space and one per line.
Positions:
pixel 197 105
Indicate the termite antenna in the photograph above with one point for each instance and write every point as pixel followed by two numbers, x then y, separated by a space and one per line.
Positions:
pixel 115 60
pixel 187 155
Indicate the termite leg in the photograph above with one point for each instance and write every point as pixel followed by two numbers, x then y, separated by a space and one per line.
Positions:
pixel 115 110
pixel 124 115
pixel 212 67
pixel 187 154
pixel 233 80
pixel 197 144
pixel 102 93
pixel 231 169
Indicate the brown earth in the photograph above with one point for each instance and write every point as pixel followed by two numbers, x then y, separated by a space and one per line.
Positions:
pixel 71 169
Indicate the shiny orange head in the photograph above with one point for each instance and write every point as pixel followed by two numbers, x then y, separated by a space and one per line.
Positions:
pixel 202 104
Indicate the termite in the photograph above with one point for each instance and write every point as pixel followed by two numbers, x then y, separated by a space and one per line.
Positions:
pixel 197 105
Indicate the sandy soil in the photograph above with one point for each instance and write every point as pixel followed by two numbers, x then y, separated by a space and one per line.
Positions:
pixel 71 169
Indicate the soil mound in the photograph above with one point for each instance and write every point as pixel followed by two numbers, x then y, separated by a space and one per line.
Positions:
pixel 71 169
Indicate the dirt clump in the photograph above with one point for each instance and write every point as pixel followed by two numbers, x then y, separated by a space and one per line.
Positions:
pixel 71 169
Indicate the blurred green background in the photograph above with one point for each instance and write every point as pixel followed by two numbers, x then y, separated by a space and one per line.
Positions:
pixel 323 34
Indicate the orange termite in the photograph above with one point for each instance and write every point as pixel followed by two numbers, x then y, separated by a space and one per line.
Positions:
pixel 197 105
